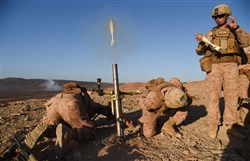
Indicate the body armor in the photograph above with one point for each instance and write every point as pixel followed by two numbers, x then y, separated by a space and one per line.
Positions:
pixel 226 40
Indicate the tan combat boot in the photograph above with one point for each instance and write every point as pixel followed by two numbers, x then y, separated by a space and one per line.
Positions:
pixel 213 128
pixel 63 135
pixel 169 129
pixel 33 136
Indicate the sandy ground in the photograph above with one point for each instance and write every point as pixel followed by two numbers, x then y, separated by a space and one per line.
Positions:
pixel 22 106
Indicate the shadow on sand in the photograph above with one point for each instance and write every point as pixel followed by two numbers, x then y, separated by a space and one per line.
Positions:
pixel 238 148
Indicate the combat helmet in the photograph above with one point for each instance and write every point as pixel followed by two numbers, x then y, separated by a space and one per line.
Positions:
pixel 175 98
pixel 221 9
pixel 175 81
pixel 72 87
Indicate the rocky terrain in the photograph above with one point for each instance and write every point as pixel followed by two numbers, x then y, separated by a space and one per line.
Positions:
pixel 22 107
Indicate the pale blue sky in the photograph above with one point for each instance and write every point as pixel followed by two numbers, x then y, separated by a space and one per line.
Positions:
pixel 70 39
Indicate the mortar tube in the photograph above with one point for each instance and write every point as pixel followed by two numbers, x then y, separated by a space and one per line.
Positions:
pixel 118 107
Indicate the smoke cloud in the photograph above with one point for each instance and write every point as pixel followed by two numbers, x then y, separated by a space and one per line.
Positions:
pixel 51 85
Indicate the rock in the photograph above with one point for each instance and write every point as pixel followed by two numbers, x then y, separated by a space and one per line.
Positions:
pixel 186 152
pixel 193 150
pixel 26 118
pixel 15 114
pixel 208 158
pixel 26 108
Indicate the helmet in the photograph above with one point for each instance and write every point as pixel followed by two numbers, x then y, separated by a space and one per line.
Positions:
pixel 221 9
pixel 175 98
pixel 72 87
pixel 175 81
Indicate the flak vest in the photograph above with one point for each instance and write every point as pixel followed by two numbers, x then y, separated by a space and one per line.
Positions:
pixel 229 52
pixel 157 88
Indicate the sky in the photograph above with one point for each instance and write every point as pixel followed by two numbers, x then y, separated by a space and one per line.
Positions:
pixel 70 39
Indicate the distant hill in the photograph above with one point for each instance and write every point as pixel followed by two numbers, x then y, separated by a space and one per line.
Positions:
pixel 20 84
pixel 13 89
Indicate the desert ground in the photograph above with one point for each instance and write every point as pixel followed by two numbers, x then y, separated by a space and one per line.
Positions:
pixel 22 107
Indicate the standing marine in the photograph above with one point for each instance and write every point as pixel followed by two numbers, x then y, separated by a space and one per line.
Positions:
pixel 221 67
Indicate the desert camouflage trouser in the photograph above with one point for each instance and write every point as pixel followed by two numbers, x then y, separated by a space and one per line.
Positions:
pixel 149 121
pixel 243 86
pixel 224 75
pixel 243 93
pixel 66 108
pixel 70 109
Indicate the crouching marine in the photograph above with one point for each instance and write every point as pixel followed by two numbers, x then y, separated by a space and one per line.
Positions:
pixel 164 97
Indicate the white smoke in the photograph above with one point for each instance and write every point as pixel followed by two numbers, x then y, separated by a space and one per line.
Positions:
pixel 51 85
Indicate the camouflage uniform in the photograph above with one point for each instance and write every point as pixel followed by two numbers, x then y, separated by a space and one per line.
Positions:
pixel 243 84
pixel 224 73
pixel 244 39
pixel 243 93
pixel 68 112
pixel 155 104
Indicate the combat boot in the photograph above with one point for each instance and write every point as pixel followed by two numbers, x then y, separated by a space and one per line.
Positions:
pixel 213 129
pixel 33 136
pixel 64 135
pixel 169 129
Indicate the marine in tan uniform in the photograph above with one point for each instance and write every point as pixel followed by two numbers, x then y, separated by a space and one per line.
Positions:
pixel 223 71
pixel 244 38
pixel 68 115
pixel 161 97
pixel 243 93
